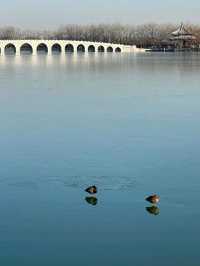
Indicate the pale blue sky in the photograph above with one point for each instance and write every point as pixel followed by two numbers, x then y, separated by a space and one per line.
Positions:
pixel 38 14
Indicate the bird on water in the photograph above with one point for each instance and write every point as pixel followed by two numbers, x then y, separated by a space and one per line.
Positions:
pixel 91 190
pixel 154 199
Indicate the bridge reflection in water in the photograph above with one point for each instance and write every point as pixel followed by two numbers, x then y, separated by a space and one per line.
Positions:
pixel 69 61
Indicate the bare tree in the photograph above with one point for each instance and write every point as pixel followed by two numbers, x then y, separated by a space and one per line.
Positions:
pixel 146 35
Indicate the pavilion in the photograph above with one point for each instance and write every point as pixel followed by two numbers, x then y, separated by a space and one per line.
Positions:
pixel 182 38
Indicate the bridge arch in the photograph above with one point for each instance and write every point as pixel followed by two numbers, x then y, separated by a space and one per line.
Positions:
pixel 118 50
pixel 42 48
pixel 91 49
pixel 56 48
pixel 110 49
pixel 10 49
pixel 81 48
pixel 26 48
pixel 69 48
pixel 101 49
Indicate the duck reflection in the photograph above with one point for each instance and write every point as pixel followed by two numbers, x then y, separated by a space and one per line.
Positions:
pixel 91 200
pixel 154 210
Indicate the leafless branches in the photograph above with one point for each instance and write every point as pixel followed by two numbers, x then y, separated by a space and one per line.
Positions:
pixel 142 35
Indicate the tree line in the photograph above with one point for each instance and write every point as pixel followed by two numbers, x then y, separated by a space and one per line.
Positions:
pixel 150 34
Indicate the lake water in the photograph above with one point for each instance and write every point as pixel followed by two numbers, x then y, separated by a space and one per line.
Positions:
pixel 126 123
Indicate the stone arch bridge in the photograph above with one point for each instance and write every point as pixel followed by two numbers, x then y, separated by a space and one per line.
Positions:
pixel 61 46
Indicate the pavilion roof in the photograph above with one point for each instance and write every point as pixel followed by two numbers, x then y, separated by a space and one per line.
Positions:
pixel 181 31
pixel 182 34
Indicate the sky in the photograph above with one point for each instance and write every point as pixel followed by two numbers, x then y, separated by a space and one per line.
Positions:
pixel 50 14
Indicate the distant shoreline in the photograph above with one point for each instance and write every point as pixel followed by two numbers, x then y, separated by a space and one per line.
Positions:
pixel 144 35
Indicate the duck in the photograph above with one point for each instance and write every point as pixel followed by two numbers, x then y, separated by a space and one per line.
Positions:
pixel 154 199
pixel 91 190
